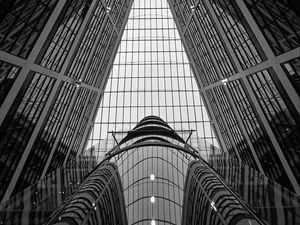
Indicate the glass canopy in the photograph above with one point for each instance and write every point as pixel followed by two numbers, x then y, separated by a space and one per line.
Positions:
pixel 151 75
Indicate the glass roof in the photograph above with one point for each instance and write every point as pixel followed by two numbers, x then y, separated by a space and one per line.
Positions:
pixel 151 75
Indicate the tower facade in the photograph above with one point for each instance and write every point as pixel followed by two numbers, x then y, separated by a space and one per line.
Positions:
pixel 52 53
pixel 245 55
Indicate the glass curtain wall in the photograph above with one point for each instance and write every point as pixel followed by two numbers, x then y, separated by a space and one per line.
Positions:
pixel 151 75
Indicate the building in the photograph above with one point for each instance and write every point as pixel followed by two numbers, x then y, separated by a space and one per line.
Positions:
pixel 100 200
pixel 207 201
pixel 225 73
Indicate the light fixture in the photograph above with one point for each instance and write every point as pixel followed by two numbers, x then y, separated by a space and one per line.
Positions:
pixel 213 206
pixel 152 177
pixel 153 222
pixel 77 83
pixel 152 199
pixel 224 81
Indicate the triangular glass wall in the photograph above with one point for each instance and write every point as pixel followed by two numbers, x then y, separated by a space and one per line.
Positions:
pixel 151 75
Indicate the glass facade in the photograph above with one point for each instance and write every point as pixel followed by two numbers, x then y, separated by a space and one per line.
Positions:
pixel 238 32
pixel 152 168
pixel 215 42
pixel 41 148
pixel 151 75
pixel 76 76
pixel 21 24
pixel 280 115
pixel 223 45
pixel 272 202
pixel 279 23
pixel 36 203
pixel 46 133
pixel 261 142
pixel 292 70
pixel 234 127
pixel 62 149
pixel 8 74
pixel 63 34
pixel 20 122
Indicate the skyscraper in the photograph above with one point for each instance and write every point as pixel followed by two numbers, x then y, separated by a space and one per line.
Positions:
pixel 225 72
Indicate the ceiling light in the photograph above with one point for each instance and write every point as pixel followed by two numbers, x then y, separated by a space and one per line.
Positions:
pixel 152 199
pixel 224 81
pixel 152 177
pixel 213 206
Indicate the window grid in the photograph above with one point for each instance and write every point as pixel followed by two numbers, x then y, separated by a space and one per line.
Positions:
pixel 221 124
pixel 292 70
pixel 83 125
pixel 169 166
pixel 278 22
pixel 260 140
pixel 87 42
pixel 99 53
pixel 211 73
pixel 282 121
pixel 65 141
pixel 106 59
pixel 233 126
pixel 238 32
pixel 20 122
pixel 67 28
pixel 151 75
pixel 8 74
pixel 21 24
pixel 44 142
pixel 215 43
pixel 195 58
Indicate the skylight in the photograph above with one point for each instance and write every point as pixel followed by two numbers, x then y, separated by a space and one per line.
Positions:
pixel 151 75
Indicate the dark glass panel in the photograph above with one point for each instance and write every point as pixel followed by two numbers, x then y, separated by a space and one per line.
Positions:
pixel 82 127
pixel 210 71
pixel 63 34
pixel 41 149
pixel 284 123
pixel 21 23
pixel 214 40
pixel 221 124
pixel 234 127
pixel 65 141
pixel 292 70
pixel 238 32
pixel 279 23
pixel 87 42
pixel 106 58
pixel 98 57
pixel 19 124
pixel 263 146
pixel 8 74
